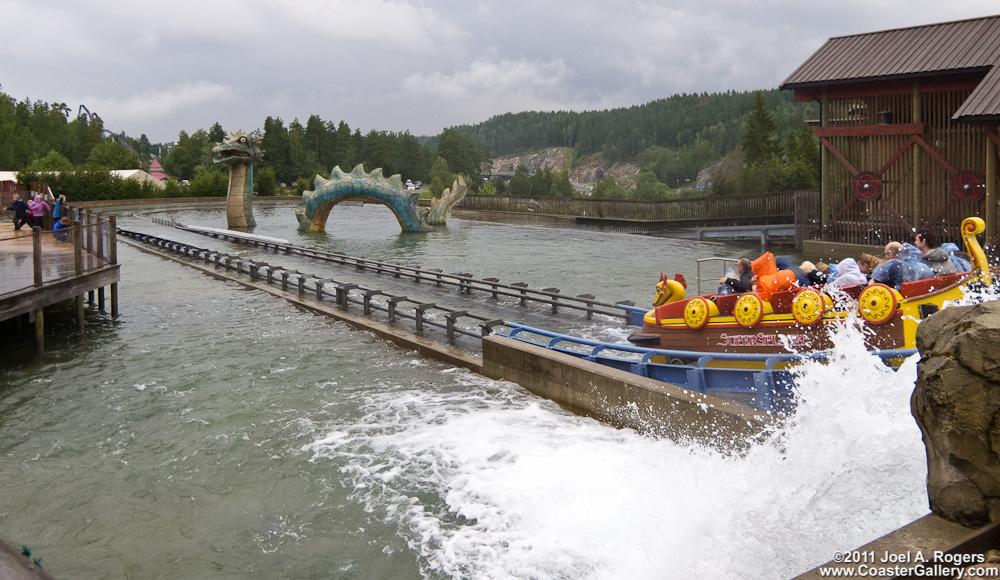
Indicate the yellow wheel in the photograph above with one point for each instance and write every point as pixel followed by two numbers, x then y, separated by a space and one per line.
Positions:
pixel 698 311
pixel 749 310
pixel 878 303
pixel 808 306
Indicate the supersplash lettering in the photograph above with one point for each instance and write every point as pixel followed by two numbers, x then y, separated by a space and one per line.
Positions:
pixel 761 339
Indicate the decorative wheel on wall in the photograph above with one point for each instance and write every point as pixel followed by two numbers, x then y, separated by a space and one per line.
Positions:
pixel 878 303
pixel 749 310
pixel 968 187
pixel 808 306
pixel 697 311
pixel 868 187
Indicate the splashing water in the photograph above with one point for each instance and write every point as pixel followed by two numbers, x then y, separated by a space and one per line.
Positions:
pixel 486 482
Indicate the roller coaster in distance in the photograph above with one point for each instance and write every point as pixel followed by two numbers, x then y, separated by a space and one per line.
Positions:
pixel 91 116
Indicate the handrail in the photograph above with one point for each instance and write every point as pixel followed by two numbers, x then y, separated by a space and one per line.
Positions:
pixel 774 358
pixel 725 262
pixel 766 385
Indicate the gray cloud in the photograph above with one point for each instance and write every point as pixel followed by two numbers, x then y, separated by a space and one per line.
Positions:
pixel 416 65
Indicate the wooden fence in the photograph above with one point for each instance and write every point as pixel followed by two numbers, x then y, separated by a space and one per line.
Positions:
pixel 807 216
pixel 714 210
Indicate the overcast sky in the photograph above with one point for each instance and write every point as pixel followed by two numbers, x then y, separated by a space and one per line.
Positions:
pixel 417 65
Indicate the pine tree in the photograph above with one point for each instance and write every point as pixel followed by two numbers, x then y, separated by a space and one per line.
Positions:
pixel 441 177
pixel 759 141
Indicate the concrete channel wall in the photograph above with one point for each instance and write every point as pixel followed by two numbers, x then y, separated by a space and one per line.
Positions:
pixel 621 398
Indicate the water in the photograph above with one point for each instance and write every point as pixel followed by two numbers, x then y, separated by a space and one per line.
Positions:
pixel 215 432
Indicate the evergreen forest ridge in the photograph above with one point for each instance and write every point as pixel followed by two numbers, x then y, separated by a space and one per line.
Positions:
pixel 760 136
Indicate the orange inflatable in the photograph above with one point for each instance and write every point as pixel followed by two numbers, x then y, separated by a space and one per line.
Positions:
pixel 764 265
pixel 769 278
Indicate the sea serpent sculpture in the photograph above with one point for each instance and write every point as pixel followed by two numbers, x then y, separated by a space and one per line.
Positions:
pixel 374 188
pixel 239 151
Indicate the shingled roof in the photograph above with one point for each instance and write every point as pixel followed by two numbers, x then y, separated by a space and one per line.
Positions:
pixel 962 46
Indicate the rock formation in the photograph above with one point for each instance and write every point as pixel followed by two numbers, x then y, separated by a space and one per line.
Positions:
pixel 957 405
pixel 585 170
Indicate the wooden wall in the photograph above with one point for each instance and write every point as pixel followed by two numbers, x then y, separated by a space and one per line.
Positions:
pixel 910 145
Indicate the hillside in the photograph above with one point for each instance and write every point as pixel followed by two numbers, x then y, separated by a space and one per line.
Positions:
pixel 587 170
pixel 675 137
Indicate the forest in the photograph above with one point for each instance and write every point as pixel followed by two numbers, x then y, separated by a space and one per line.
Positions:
pixel 763 132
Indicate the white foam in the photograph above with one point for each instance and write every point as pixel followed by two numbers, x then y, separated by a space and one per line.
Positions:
pixel 488 482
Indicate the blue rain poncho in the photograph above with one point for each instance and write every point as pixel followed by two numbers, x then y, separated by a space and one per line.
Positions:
pixel 961 264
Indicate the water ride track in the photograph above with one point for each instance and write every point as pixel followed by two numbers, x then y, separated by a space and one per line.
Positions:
pixel 343 293
pixel 463 282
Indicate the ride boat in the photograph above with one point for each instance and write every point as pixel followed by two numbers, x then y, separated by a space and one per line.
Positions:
pixel 780 317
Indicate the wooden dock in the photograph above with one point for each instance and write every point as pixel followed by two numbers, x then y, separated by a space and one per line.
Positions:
pixel 41 268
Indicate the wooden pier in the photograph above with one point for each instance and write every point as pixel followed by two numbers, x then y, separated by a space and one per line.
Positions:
pixel 40 268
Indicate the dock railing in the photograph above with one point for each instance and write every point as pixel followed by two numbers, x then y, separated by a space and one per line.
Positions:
pixel 90 241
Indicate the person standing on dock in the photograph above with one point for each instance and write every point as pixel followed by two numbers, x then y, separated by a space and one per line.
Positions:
pixel 57 208
pixel 20 210
pixel 36 209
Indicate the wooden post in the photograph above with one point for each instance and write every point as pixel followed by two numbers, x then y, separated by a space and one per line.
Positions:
pixel 99 250
pixel 36 253
pixel 114 260
pixel 917 116
pixel 991 188
pixel 89 221
pixel 78 269
pixel 40 330
pixel 826 195
pixel 89 246
pixel 77 249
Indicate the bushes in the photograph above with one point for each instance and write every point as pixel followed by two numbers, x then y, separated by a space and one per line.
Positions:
pixel 92 185
pixel 100 185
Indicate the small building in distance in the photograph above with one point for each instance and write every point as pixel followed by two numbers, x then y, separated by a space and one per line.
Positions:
pixel 156 170
pixel 9 187
pixel 908 130
pixel 140 176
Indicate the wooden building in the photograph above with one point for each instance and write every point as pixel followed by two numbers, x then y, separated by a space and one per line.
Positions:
pixel 908 129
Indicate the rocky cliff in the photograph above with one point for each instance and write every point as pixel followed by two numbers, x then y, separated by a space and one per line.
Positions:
pixel 957 405
pixel 587 170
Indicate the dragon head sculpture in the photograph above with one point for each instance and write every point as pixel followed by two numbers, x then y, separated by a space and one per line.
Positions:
pixel 239 151
pixel 238 147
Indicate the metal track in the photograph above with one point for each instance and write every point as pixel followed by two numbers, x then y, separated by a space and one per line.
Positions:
pixel 344 294
pixel 463 282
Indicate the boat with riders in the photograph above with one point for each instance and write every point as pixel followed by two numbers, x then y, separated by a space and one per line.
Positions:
pixel 780 317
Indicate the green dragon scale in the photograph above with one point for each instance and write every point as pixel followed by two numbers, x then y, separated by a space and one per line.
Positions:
pixel 373 188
